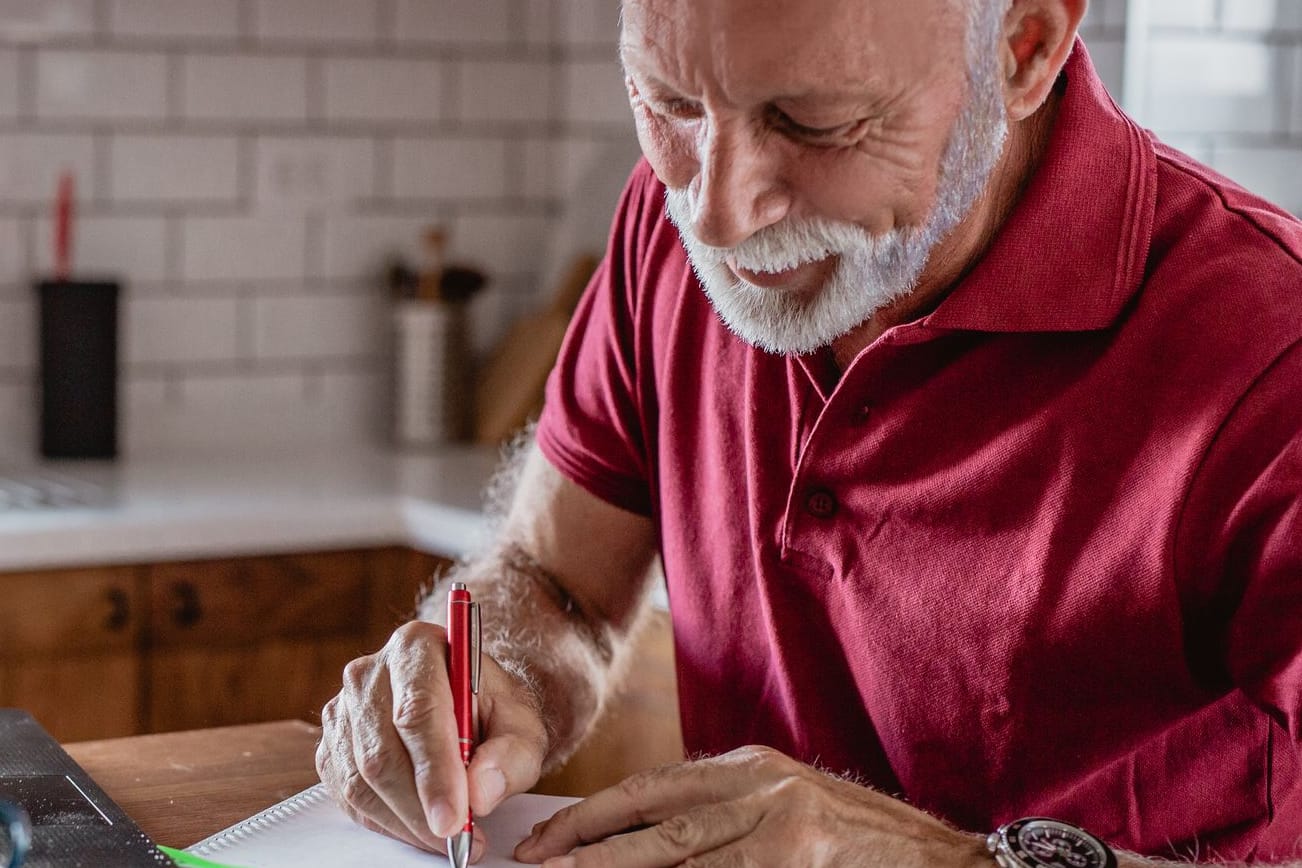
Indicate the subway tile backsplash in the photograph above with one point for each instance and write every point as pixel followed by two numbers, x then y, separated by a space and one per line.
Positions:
pixel 247 167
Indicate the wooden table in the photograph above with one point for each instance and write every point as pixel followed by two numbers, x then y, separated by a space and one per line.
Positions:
pixel 182 787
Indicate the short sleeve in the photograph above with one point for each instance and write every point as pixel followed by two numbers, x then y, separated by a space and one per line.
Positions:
pixel 1241 545
pixel 592 427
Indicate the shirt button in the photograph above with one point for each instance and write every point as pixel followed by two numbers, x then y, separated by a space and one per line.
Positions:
pixel 862 413
pixel 820 503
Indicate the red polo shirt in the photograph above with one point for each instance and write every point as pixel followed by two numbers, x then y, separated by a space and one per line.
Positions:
pixel 1038 552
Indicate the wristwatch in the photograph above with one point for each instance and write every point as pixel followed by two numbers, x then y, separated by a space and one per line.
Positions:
pixel 1039 842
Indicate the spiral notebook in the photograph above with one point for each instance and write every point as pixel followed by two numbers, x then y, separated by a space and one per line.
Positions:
pixel 310 829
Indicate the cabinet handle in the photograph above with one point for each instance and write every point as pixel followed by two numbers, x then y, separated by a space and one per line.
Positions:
pixel 186 612
pixel 119 610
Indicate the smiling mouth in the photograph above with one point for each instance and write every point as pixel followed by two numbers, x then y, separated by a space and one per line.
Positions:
pixel 803 278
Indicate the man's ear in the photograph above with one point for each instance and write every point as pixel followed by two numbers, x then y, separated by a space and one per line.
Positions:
pixel 1038 36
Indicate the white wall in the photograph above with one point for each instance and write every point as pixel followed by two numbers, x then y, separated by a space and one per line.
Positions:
pixel 1222 80
pixel 246 165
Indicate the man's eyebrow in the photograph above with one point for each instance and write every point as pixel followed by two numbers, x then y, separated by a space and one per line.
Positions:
pixel 654 81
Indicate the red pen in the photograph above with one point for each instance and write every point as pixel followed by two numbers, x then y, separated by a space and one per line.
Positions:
pixel 463 674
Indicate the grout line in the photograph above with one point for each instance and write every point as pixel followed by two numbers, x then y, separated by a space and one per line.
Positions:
pixel 102 166
pixel 27 84
pixel 383 168
pixel 176 67
pixel 386 25
pixel 174 249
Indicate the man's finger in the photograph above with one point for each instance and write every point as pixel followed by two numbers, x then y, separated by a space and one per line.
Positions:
pixel 652 796
pixel 693 833
pixel 381 759
pixel 354 795
pixel 510 758
pixel 424 720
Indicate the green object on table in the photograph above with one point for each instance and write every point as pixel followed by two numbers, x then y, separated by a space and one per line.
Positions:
pixel 189 860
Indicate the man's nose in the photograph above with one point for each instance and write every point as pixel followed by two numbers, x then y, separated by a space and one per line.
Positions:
pixel 738 188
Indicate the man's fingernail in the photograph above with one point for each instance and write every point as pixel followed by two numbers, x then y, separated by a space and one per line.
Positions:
pixel 492 785
pixel 560 862
pixel 441 819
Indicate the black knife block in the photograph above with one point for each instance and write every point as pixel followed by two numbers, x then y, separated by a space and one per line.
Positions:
pixel 79 369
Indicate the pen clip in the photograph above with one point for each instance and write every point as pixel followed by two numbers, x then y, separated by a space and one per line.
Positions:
pixel 475 647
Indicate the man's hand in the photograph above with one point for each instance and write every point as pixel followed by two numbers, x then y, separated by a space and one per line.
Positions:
pixel 389 750
pixel 753 806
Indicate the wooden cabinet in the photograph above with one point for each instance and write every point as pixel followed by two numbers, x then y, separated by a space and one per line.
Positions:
pixel 69 649
pixel 98 653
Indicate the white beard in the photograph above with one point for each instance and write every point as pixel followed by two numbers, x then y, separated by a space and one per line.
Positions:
pixel 872 271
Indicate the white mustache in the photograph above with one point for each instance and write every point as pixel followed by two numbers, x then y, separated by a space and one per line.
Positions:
pixel 780 247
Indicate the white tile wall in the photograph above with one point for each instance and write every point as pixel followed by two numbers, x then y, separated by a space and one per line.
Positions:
pixel 505 90
pixel 328 21
pixel 200 19
pixel 540 21
pixel 457 21
pixel 317 326
pixel 1262 15
pixel 40 20
pixel 243 248
pixel 217 413
pixel 30 165
pixel 597 93
pixel 8 83
pixel 124 248
pixel 449 168
pixel 357 246
pixel 313 172
pixel 1275 173
pixel 589 22
pixel 513 244
pixel 13 258
pixel 245 88
pixel 104 85
pixel 1231 92
pixel 17 332
pixel 157 330
pixel 1295 126
pixel 174 168
pixel 1209 84
pixel 17 420
pixel 378 89
pixel 1182 13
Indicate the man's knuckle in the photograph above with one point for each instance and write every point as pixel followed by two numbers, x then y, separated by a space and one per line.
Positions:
pixel 373 763
pixel 413 633
pixel 358 793
pixel 356 672
pixel 413 707
pixel 680 833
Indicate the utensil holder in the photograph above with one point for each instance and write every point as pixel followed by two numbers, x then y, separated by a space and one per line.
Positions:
pixel 78 369
pixel 432 373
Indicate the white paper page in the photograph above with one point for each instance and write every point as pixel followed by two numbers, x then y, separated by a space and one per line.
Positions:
pixel 310 830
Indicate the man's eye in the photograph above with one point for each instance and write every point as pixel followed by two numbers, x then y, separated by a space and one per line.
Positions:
pixel 678 108
pixel 793 127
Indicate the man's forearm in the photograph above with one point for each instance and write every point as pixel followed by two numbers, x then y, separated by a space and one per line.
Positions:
pixel 534 630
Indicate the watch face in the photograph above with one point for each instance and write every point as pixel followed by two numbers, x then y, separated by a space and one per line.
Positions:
pixel 1051 844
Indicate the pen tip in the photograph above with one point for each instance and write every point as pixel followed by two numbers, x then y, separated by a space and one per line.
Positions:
pixel 459 849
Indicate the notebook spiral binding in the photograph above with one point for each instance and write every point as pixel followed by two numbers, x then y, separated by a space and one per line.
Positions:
pixel 261 822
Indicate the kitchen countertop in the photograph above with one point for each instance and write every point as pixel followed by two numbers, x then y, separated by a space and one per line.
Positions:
pixel 151 510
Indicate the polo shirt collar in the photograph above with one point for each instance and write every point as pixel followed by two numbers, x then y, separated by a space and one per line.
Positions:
pixel 1072 252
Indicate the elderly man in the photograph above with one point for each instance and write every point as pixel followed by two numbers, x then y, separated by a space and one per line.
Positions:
pixel 976 471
